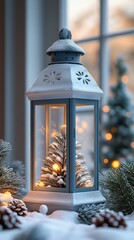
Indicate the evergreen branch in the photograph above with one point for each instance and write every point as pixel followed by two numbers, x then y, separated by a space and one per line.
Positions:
pixel 129 172
pixel 117 189
pixel 5 147
pixel 88 211
pixel 18 166
pixel 59 139
pixel 11 181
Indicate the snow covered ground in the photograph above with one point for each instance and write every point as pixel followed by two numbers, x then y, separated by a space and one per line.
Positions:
pixel 63 225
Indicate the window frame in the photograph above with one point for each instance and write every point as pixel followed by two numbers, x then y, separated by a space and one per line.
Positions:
pixel 103 38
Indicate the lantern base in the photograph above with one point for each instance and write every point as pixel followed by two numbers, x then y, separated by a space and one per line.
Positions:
pixel 61 201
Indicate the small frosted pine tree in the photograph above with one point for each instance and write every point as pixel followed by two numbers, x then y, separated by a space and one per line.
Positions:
pixel 54 169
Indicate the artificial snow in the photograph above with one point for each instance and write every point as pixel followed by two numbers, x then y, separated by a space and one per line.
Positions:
pixel 61 225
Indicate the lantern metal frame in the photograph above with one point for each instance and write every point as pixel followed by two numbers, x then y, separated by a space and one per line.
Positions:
pixel 71 140
pixel 72 148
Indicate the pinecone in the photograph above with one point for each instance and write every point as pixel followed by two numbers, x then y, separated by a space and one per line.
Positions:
pixel 109 218
pixel 8 219
pixel 18 206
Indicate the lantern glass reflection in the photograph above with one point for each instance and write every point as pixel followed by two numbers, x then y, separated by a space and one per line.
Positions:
pixel 84 145
pixel 48 121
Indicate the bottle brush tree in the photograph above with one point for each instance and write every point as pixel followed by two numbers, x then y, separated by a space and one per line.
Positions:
pixel 54 169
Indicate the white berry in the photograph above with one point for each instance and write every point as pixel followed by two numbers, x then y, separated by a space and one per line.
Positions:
pixel 43 209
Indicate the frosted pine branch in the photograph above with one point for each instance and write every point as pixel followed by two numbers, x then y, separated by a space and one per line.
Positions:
pixel 117 186
pixel 5 147
pixel 10 181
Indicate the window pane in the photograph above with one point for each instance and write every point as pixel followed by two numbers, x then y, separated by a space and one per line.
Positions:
pixel 83 18
pixel 117 139
pixel 121 15
pixel 91 58
pixel 123 47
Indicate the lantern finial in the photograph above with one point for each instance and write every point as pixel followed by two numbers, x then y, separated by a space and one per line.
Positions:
pixel 65 50
pixel 65 33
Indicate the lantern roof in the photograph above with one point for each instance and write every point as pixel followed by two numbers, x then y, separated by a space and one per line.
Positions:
pixel 65 44
pixel 65 76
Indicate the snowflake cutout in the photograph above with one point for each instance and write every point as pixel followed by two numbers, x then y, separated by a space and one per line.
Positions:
pixel 52 77
pixel 83 77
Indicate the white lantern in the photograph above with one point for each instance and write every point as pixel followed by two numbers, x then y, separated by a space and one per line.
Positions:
pixel 64 131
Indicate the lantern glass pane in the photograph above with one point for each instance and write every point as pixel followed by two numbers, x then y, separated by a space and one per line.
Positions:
pixel 50 146
pixel 84 145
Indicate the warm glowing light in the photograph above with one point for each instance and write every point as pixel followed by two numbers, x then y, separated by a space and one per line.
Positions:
pixel 7 194
pixel 6 197
pixel 80 130
pixel 106 108
pixel 53 133
pixel 105 160
pixel 84 124
pixel 88 184
pixel 39 184
pixel 132 144
pixel 56 167
pixel 115 164
pixel 3 204
pixel 108 136
pixel 54 107
pixel 124 79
